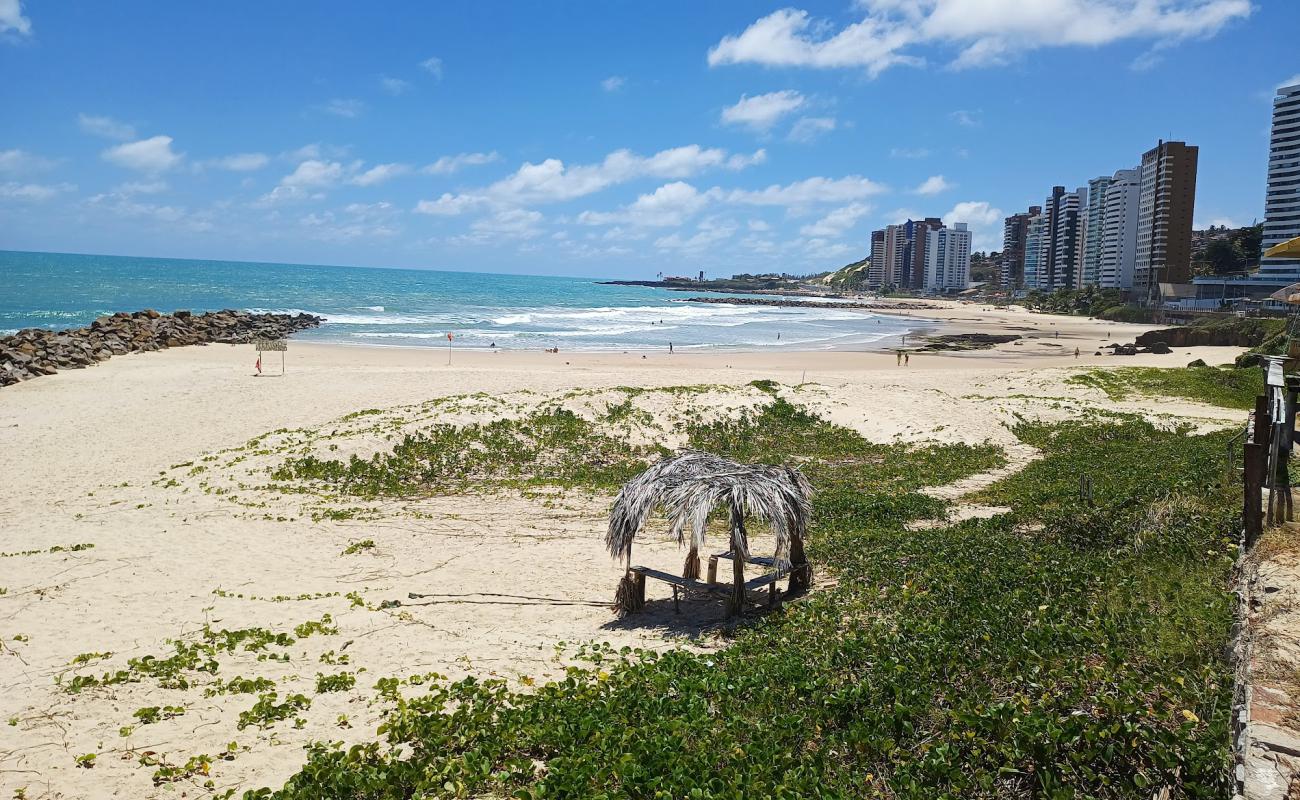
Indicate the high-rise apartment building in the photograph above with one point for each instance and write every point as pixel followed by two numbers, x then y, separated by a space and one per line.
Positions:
pixel 1014 230
pixel 1166 200
pixel 1067 239
pixel 1090 267
pixel 895 244
pixel 1037 244
pixel 1046 275
pixel 947 258
pixel 912 270
pixel 1117 234
pixel 1282 197
pixel 876 268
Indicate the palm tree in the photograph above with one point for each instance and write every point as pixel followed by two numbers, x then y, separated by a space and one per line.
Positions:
pixel 688 487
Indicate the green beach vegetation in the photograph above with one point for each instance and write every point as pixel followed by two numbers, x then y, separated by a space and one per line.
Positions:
pixel 1068 648
pixel 1227 387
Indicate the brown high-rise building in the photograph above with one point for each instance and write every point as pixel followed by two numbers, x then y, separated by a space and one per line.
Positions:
pixel 1166 201
pixel 876 270
pixel 913 267
pixel 1015 230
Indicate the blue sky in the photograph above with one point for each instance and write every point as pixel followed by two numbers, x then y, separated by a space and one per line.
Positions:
pixel 609 139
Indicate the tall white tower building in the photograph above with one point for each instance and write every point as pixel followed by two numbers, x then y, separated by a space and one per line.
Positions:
pixel 1118 235
pixel 1282 198
pixel 947 258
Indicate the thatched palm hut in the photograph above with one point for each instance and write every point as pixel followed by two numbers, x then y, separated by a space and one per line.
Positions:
pixel 688 487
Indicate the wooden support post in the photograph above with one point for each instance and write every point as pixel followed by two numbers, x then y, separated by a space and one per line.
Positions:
pixel 1262 420
pixel 1254 463
pixel 677 609
pixel 737 559
pixel 713 570
pixel 639 580
pixel 800 570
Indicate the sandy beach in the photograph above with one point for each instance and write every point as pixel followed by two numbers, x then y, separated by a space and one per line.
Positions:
pixel 148 458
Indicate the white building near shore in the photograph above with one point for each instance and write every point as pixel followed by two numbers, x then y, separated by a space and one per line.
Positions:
pixel 947 258
pixel 1118 232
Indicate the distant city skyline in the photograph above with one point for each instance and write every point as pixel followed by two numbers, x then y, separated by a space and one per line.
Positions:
pixel 610 140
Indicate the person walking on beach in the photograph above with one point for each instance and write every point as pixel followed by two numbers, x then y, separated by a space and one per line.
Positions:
pixel 898 357
pixel 1076 352
pixel 670 348
pixel 907 358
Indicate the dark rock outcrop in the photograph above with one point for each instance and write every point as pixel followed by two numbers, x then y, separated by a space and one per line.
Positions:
pixel 1231 333
pixel 36 351
pixel 968 341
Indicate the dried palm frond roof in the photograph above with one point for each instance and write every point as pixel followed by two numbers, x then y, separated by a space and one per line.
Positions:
pixel 688 486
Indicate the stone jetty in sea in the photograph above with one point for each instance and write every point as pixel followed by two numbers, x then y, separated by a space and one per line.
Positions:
pixel 36 351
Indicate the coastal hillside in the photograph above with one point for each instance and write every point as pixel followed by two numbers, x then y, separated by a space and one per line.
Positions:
pixel 848 278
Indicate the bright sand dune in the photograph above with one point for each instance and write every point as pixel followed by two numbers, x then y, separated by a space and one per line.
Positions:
pixel 92 457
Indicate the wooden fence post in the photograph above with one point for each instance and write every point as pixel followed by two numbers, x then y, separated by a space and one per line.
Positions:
pixel 1254 463
pixel 1262 420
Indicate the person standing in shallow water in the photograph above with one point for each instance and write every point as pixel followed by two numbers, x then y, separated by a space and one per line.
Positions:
pixel 670 348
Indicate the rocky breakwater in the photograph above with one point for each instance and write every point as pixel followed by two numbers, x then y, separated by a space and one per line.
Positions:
pixel 35 351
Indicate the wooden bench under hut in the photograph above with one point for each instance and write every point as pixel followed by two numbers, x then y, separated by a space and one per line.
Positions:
pixel 688 486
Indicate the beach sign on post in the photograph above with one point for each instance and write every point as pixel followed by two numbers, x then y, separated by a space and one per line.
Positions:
pixel 271 346
pixel 449 349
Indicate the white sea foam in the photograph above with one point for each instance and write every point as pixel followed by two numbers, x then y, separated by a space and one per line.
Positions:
pixel 632 328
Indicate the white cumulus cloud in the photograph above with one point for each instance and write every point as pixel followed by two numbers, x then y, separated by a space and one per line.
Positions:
pixel 810 191
pixel 709 232
pixel 979 32
pixel 613 83
pixel 837 222
pixel 154 154
pixel 809 128
pixel 762 111
pixel 344 107
pixel 554 181
pixel 107 127
pixel 240 162
pixel 12 19
pixel 378 174
pixel 393 86
pixel 433 66
pixel 935 184
pixel 666 206
pixel 449 164
pixel 20 161
pixel 984 221
pixel 450 205
pixel 140 187
pixel 33 192
pixel 309 180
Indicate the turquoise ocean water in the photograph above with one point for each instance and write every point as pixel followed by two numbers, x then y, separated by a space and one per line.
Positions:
pixel 401 307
